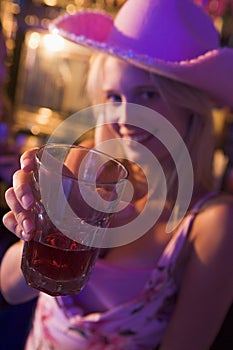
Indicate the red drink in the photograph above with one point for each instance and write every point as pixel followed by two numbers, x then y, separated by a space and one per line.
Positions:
pixel 58 265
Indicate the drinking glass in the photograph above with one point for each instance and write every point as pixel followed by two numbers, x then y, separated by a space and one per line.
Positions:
pixel 77 190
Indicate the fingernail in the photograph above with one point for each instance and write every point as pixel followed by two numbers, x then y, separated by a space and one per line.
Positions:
pixel 27 201
pixel 25 236
pixel 27 225
pixel 25 163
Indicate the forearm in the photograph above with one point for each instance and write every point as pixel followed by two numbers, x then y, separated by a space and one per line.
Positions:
pixel 12 283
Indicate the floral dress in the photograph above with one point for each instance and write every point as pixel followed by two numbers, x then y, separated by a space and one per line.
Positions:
pixel 136 324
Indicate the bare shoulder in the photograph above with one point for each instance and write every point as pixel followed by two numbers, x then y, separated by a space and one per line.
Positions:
pixel 216 213
pixel 212 233
pixel 219 199
pixel 206 286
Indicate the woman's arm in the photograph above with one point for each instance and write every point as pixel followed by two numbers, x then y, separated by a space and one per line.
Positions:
pixel 206 291
pixel 19 221
pixel 12 283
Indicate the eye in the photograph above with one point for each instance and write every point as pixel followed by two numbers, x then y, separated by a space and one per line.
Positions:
pixel 149 95
pixel 113 97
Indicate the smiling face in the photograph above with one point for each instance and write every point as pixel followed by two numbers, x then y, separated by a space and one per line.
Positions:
pixel 123 83
pixel 187 109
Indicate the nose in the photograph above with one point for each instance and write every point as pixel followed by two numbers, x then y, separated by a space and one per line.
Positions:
pixel 126 114
pixel 116 113
pixel 121 113
pixel 127 118
pixel 122 108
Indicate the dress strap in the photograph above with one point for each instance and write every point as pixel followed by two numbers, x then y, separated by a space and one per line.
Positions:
pixel 175 245
pixel 203 200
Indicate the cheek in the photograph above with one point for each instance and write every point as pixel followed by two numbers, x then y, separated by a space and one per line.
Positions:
pixel 182 127
pixel 158 149
pixel 180 120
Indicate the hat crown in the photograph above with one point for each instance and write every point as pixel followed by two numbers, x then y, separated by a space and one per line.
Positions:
pixel 172 38
pixel 164 29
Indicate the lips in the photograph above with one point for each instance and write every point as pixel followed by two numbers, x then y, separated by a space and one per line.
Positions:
pixel 137 137
pixel 131 133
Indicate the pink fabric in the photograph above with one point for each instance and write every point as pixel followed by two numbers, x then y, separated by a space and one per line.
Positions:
pixel 125 284
pixel 133 321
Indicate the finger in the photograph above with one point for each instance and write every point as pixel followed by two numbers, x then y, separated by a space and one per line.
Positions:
pixel 23 218
pixel 27 160
pixel 12 225
pixel 23 183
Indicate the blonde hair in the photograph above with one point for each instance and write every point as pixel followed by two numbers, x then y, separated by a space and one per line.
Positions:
pixel 95 78
pixel 200 138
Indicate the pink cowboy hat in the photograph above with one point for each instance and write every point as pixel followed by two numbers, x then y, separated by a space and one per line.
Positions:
pixel 173 38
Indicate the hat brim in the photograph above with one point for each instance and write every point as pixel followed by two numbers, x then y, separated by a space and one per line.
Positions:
pixel 211 72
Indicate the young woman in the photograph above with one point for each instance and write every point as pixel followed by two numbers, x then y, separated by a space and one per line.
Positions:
pixel 160 291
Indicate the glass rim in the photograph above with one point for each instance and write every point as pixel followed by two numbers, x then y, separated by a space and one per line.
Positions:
pixel 88 149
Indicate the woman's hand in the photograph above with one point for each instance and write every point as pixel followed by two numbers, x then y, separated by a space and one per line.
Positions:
pixel 20 221
pixel 20 198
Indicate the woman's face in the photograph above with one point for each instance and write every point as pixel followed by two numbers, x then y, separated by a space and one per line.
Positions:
pixel 125 83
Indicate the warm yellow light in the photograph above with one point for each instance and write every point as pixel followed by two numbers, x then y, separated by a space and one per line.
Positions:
pixel 43 115
pixel 35 130
pixel 53 42
pixel 70 8
pixel 45 112
pixel 50 2
pixel 34 40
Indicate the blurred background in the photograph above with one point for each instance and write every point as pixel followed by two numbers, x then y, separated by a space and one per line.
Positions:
pixel 42 66
pixel 46 73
